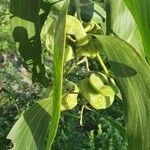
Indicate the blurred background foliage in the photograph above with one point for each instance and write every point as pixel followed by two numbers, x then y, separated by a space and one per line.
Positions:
pixel 17 94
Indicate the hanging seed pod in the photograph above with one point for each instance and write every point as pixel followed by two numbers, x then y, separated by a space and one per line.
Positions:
pixel 69 100
pixel 91 49
pixel 96 100
pixel 96 82
pixel 75 28
pixel 69 54
pixel 107 91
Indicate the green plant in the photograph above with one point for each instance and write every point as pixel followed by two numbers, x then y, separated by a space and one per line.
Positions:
pixel 70 42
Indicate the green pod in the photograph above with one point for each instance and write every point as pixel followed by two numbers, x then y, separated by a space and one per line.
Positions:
pixel 96 82
pixel 91 49
pixel 107 91
pixel 69 100
pixel 75 28
pixel 95 99
pixel 69 54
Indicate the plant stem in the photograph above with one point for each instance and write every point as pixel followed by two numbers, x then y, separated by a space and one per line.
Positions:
pixel 84 60
pixel 75 116
pixel 99 58
pixel 81 115
pixel 87 65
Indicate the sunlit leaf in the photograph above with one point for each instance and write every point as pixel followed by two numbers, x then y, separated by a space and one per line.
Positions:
pixel 141 13
pixel 58 62
pixel 123 25
pixel 133 78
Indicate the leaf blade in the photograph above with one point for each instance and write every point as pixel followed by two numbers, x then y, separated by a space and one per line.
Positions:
pixel 124 26
pixel 29 132
pixel 133 79
pixel 58 61
pixel 141 13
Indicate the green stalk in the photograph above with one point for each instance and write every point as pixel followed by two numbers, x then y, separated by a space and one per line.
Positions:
pixel 99 58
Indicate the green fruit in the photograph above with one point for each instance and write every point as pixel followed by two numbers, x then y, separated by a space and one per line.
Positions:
pixel 96 82
pixel 69 54
pixel 69 100
pixel 75 28
pixel 107 91
pixel 91 49
pixel 96 100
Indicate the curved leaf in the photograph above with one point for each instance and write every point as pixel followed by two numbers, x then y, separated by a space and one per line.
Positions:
pixel 133 78
pixel 141 13
pixel 124 26
pixel 92 11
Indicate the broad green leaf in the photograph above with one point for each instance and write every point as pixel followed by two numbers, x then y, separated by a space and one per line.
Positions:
pixel 141 13
pixel 133 78
pixel 29 132
pixel 124 26
pixel 58 62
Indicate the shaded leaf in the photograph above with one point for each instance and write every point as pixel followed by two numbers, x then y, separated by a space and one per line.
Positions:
pixel 29 132
pixel 92 11
pixel 133 79
pixel 116 125
pixel 25 25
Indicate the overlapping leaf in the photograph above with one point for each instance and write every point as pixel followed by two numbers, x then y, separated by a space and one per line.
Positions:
pixel 133 78
pixel 141 13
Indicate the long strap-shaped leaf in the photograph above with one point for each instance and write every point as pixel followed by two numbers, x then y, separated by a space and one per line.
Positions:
pixel 141 13
pixel 133 78
pixel 58 59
